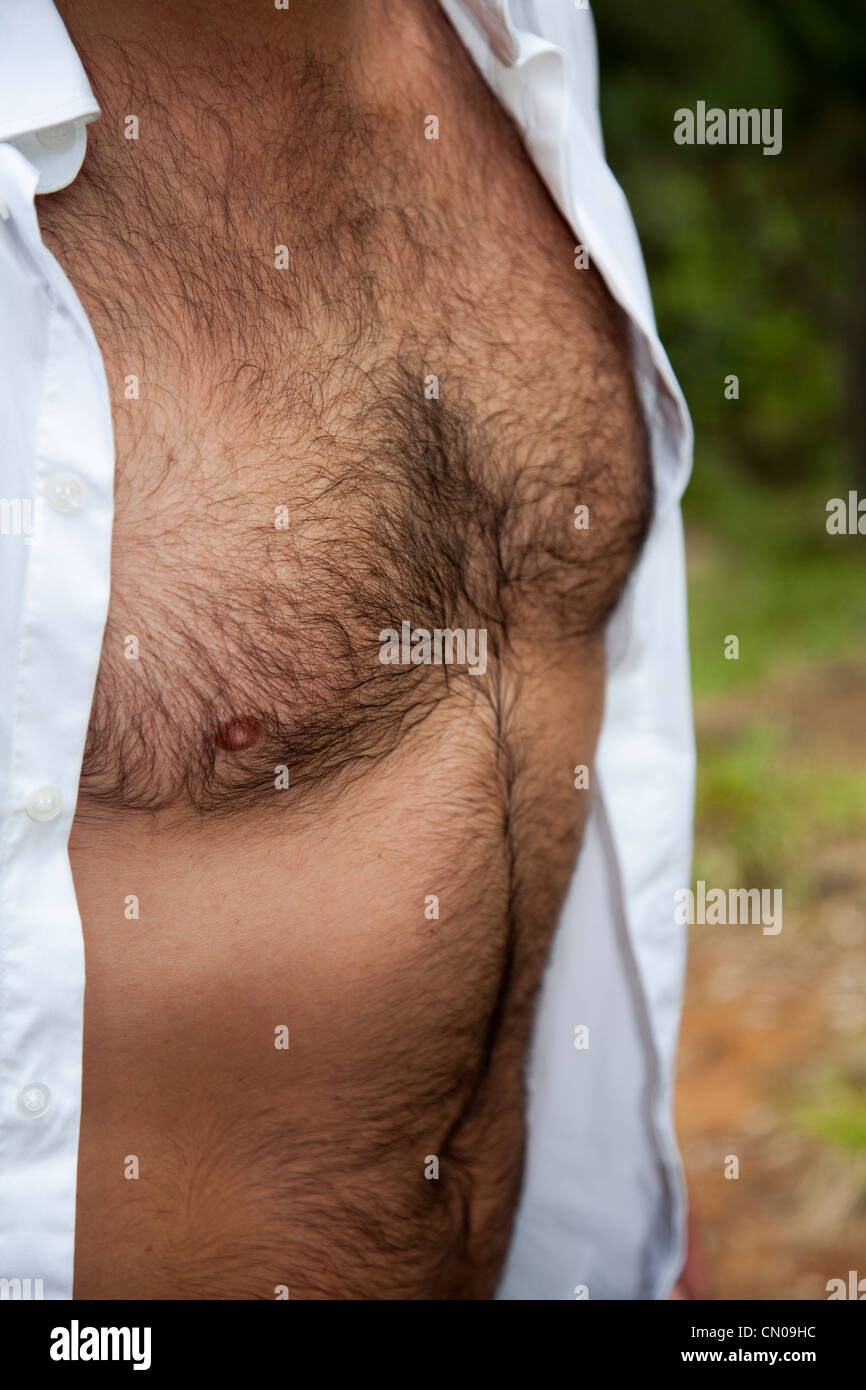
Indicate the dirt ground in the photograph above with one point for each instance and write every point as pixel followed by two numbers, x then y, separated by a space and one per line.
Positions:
pixel 772 1064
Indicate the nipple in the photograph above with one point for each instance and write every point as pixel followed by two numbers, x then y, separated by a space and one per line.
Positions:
pixel 236 735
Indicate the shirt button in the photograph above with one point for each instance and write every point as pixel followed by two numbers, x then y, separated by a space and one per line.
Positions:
pixel 44 803
pixel 57 137
pixel 34 1100
pixel 64 492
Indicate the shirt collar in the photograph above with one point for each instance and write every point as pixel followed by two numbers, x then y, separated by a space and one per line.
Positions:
pixel 45 97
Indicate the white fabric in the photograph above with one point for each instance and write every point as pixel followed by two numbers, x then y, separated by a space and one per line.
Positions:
pixel 602 1205
pixel 54 577
pixel 43 86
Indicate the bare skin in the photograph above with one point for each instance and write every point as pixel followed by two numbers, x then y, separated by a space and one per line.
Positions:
pixel 393 906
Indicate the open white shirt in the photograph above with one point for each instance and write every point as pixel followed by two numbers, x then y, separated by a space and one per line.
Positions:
pixel 601 1212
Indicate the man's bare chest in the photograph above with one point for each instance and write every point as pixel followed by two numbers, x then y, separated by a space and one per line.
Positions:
pixel 358 387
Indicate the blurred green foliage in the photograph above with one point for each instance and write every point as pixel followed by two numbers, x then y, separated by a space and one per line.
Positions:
pixel 755 261
pixel 757 268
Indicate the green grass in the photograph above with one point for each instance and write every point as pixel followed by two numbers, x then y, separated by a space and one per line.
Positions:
pixel 762 567
pixel 839 1116
pixel 759 806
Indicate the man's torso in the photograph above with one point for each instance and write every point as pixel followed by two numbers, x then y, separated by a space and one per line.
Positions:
pixel 290 485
